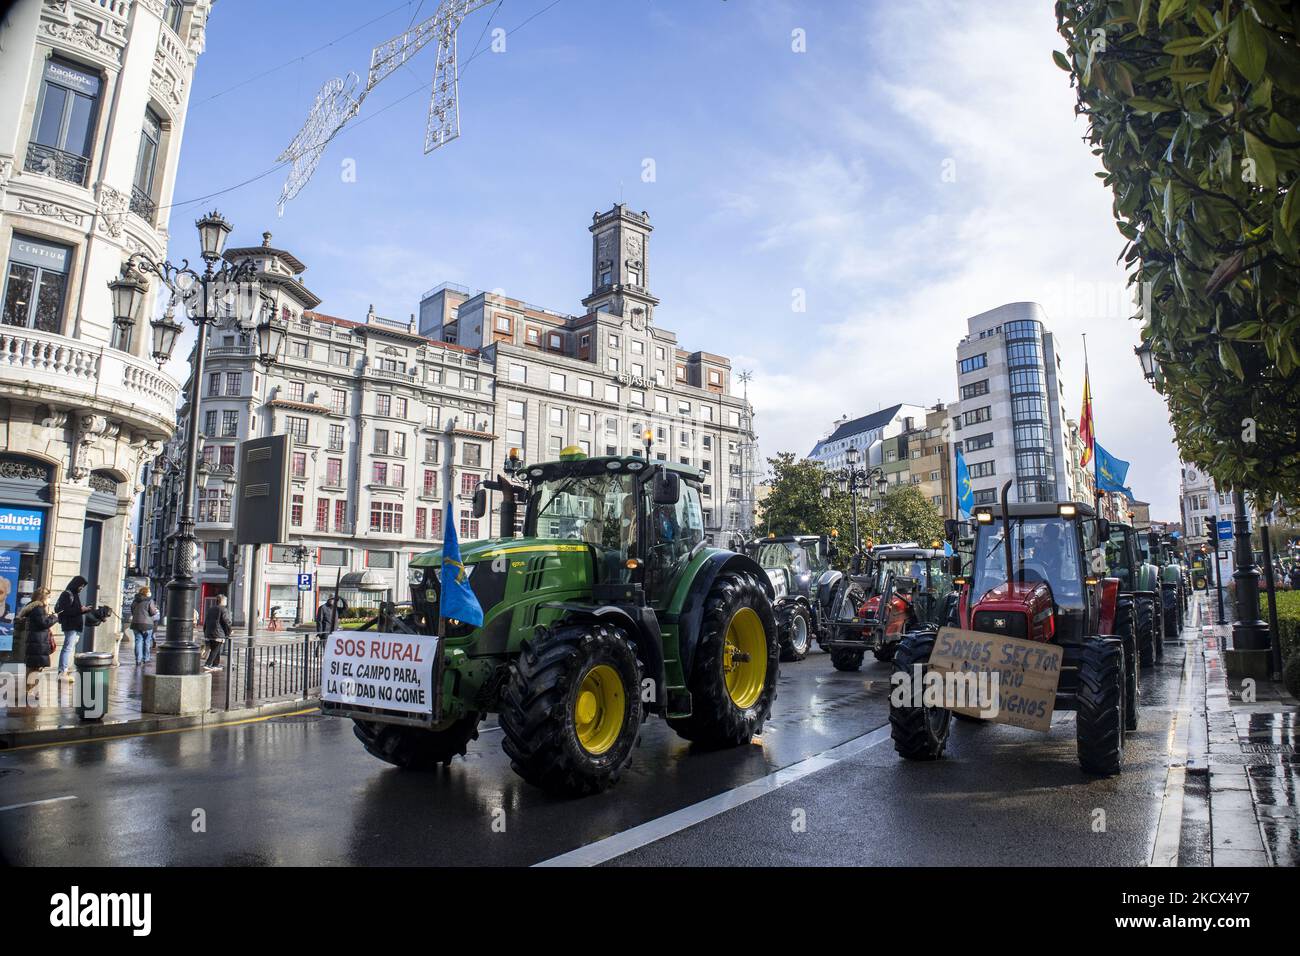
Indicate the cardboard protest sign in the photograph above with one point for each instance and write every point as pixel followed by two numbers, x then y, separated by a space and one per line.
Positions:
pixel 1025 673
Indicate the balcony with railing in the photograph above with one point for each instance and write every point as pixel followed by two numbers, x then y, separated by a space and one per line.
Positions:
pixel 70 372
pixel 142 205
pixel 57 163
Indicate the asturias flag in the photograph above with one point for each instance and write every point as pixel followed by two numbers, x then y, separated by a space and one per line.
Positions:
pixel 1111 472
pixel 1085 421
pixel 455 599
pixel 965 493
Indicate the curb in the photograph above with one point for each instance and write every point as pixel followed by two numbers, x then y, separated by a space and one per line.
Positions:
pixel 159 723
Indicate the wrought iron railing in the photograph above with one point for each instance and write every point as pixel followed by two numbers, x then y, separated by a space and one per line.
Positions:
pixel 142 205
pixel 271 669
pixel 58 163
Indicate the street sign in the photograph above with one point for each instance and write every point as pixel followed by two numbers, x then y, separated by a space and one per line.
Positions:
pixel 1225 530
pixel 304 582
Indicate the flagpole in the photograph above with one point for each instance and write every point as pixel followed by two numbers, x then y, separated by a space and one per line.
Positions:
pixel 1092 422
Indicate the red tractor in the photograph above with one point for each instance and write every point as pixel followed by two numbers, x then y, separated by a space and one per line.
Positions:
pixel 1037 575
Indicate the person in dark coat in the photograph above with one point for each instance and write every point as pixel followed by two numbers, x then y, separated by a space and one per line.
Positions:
pixel 143 612
pixel 327 617
pixel 71 611
pixel 37 621
pixel 216 629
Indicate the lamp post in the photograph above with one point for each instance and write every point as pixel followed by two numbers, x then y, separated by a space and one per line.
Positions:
pixel 849 480
pixel 300 555
pixel 1249 632
pixel 220 292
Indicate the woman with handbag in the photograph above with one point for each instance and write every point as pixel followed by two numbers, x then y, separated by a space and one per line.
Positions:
pixel 38 622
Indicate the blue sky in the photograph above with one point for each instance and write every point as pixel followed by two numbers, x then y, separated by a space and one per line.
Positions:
pixel 919 163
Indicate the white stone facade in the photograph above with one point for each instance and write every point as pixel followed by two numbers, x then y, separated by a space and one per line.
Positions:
pixel 93 98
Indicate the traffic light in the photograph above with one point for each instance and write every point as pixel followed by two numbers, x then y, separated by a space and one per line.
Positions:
pixel 1212 531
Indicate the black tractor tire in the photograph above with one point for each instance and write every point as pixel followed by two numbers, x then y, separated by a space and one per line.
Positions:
pixel 846 658
pixel 1132 693
pixel 716 720
pixel 1099 721
pixel 794 619
pixel 885 652
pixel 414 748
pixel 1147 632
pixel 541 705
pixel 919 733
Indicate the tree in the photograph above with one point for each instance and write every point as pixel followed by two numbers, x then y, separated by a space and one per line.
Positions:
pixel 795 504
pixel 1193 108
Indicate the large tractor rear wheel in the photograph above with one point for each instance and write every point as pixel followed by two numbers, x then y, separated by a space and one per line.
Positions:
pixel 919 733
pixel 1099 722
pixel 571 710
pixel 414 748
pixel 796 625
pixel 733 677
pixel 1148 632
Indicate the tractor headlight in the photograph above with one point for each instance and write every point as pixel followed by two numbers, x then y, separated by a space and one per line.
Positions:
pixel 415 577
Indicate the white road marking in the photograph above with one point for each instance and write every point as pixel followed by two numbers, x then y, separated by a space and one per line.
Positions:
pixel 36 803
pixel 632 839
pixel 1169 829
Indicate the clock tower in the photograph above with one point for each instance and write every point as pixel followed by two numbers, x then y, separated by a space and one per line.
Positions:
pixel 620 244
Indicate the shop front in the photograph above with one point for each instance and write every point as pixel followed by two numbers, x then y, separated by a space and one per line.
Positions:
pixel 25 498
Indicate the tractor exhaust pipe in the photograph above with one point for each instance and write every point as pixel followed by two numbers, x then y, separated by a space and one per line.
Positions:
pixel 1006 529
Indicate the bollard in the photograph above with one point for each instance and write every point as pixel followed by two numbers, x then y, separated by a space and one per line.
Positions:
pixel 92 684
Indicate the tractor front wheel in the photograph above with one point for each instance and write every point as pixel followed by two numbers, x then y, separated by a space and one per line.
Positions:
pixel 1148 637
pixel 846 659
pixel 796 626
pixel 919 733
pixel 733 676
pixel 1099 722
pixel 571 710
pixel 414 748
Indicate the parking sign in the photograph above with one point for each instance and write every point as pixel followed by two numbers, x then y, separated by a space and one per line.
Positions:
pixel 304 582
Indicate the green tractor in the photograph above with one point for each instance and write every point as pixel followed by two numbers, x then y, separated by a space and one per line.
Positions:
pixel 609 608
pixel 1174 582
pixel 1138 610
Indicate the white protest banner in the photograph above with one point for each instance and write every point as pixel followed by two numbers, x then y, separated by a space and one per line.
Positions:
pixel 388 671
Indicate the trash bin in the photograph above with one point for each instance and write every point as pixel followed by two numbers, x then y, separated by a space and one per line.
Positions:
pixel 92 684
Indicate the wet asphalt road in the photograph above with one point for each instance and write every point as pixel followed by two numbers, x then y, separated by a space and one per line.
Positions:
pixel 301 791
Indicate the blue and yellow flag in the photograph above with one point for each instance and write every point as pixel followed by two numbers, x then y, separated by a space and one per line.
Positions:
pixel 965 493
pixel 455 599
pixel 1111 472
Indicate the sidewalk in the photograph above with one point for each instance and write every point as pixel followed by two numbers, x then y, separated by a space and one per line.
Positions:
pixel 54 718
pixel 1253 765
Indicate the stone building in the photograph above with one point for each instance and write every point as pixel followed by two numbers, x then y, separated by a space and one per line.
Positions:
pixel 386 426
pixel 93 99
pixel 598 380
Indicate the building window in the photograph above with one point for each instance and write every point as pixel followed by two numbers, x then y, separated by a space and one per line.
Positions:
pixel 431 450
pixel 557 417
pixel 36 284
pixel 297 391
pixel 172 15
pixel 515 438
pixel 334 472
pixel 471 454
pixel 399 444
pixel 298 350
pixel 585 388
pixel 234 383
pixel 733 419
pixel 502 325
pixel 297 428
pixel 584 421
pixel 384 405
pixel 230 424
pixel 558 382
pixel 146 164
pixel 295 511
pixel 64 127
pixel 435 522
pixel 381 441
pixel 339 357
pixel 611 365
pixel 227 454
pixel 422 519
pixel 977 415
pixel 299 464
pixel 379 473
pixel 339 402
pixel 975 389
pixel 468 526
pixel 386 517
pixel 469 482
pixel 214 383
pixel 322 514
pixel 979 442
pixel 611 394
pixel 518 373
pixel 336 438
pixel 981 469
pixel 340 518
pixel 556 342
pixel 430 486
pixel 973 363
pixel 681 373
pixel 515 409
pixel 533 336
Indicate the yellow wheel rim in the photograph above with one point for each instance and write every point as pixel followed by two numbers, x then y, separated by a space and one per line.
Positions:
pixel 599 709
pixel 744 658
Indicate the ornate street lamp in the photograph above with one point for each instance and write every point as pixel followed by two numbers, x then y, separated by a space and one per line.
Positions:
pixel 849 480
pixel 221 291
pixel 1150 367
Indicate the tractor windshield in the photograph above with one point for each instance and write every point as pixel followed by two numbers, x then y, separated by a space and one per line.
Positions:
pixel 598 509
pixel 1043 549
pixel 923 581
pixel 780 554
pixel 1118 563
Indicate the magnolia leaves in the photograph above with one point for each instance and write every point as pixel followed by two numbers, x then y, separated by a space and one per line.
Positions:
pixel 1248 46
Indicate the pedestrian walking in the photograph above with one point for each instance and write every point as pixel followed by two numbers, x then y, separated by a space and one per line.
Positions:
pixel 327 616
pixel 71 612
pixel 143 614
pixel 216 629
pixel 37 622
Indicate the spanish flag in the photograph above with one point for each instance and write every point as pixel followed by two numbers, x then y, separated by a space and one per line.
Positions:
pixel 1085 420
